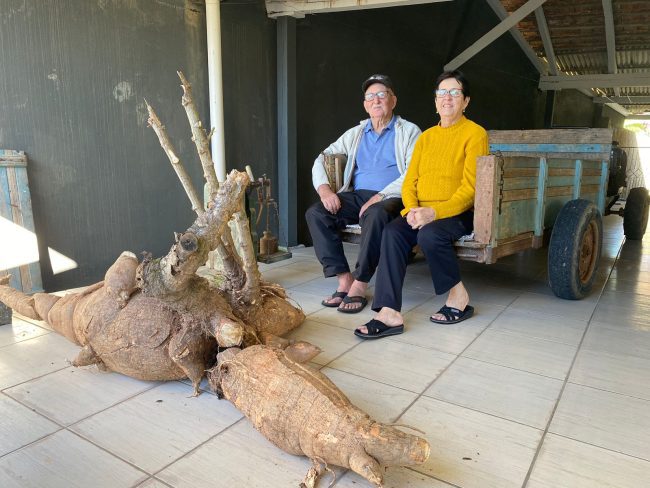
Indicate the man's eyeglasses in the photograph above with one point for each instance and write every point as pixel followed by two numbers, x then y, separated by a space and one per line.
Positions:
pixel 369 97
pixel 454 92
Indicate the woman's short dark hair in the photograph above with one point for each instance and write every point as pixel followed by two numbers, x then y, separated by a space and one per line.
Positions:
pixel 458 76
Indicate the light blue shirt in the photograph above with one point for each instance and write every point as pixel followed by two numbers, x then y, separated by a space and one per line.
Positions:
pixel 376 165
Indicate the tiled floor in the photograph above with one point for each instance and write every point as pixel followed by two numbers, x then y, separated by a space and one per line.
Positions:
pixel 533 391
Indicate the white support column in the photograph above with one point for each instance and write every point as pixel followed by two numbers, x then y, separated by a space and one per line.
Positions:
pixel 218 141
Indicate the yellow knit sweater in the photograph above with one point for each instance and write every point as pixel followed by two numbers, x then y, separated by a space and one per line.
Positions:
pixel 442 173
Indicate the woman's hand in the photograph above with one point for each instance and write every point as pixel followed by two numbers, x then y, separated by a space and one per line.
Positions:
pixel 330 200
pixel 418 217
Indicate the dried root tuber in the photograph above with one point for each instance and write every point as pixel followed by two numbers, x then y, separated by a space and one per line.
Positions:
pixel 302 412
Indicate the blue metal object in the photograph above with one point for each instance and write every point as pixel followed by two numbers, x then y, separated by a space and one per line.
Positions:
pixel 551 148
pixel 16 207
pixel 541 191
pixel 577 179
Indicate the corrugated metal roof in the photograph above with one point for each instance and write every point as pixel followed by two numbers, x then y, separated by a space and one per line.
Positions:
pixel 578 38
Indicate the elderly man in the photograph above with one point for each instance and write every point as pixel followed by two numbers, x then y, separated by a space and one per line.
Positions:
pixel 378 151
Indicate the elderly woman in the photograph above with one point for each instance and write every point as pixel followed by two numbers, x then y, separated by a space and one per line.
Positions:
pixel 438 197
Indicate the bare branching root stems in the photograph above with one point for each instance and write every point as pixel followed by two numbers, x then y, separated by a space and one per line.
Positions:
pixel 157 319
pixel 301 411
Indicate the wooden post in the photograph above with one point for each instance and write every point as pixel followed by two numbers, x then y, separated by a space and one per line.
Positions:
pixel 484 204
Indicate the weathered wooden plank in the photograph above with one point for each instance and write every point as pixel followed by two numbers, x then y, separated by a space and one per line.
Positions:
pixel 554 181
pixel 31 272
pixel 562 172
pixel 589 189
pixel 519 163
pixel 519 183
pixel 559 136
pixel 516 217
pixel 486 198
pixel 514 195
pixel 553 206
pixel 559 191
pixel 512 245
pixel 13 160
pixel 15 206
pixel 17 218
pixel 590 180
pixel 520 172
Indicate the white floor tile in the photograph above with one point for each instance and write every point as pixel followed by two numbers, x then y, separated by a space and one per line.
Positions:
pixel 452 339
pixel 567 463
pixel 609 420
pixel 382 402
pixel 627 286
pixel 19 425
pixel 554 306
pixel 507 393
pixel 308 302
pixel 394 478
pixel 288 276
pixel 152 483
pixel 394 363
pixel 538 356
pixel 251 462
pixel 624 315
pixel 68 395
pixel 619 373
pixel 540 326
pixel 63 460
pixel 159 426
pixel 350 321
pixel 471 449
pixel 34 357
pixel 333 341
pixel 19 330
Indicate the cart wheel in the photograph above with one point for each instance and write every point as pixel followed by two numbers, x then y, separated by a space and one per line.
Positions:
pixel 635 216
pixel 574 251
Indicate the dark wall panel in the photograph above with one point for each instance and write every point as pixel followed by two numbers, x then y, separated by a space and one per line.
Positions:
pixel 573 109
pixel 72 88
pixel 249 85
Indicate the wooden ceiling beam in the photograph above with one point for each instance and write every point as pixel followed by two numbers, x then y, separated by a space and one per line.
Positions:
pixel 546 40
pixel 540 64
pixel 547 82
pixel 610 39
pixel 300 8
pixel 496 32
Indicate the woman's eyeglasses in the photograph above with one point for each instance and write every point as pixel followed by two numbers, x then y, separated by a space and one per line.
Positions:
pixel 454 92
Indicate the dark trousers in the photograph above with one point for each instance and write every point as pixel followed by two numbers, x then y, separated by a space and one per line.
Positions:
pixel 437 243
pixel 324 229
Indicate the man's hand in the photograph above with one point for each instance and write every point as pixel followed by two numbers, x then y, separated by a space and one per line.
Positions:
pixel 418 217
pixel 374 199
pixel 330 200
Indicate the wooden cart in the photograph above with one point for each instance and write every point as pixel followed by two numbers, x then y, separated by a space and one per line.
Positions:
pixel 550 185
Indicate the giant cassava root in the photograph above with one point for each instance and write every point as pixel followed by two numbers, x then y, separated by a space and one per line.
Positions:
pixel 158 320
pixel 301 411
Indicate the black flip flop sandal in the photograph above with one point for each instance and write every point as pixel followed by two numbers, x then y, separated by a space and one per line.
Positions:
pixel 336 294
pixel 377 329
pixel 362 300
pixel 453 315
